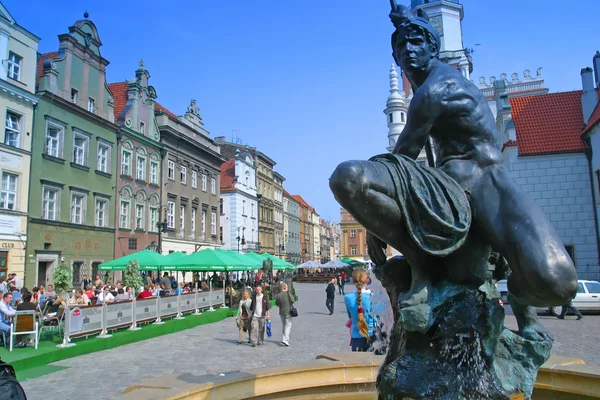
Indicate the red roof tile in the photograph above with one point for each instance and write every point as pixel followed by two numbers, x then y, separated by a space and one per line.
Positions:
pixel 159 107
pixel 549 123
pixel 594 119
pixel 285 192
pixel 300 200
pixel 40 64
pixel 119 91
pixel 228 175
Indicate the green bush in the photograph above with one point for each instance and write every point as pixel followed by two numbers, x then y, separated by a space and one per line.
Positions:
pixel 62 278
pixel 132 276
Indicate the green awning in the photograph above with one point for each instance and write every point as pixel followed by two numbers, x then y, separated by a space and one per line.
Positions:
pixel 208 260
pixel 278 263
pixel 149 261
pixel 245 262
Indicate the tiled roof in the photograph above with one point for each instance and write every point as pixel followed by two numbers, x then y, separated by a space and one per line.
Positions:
pixel 40 63
pixel 119 91
pixel 227 175
pixel 300 200
pixel 594 119
pixel 286 193
pixel 549 123
pixel 159 107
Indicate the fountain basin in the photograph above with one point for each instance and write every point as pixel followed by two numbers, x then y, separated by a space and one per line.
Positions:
pixel 342 376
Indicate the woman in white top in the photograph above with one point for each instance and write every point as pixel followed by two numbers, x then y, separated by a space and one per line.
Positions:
pixel 243 316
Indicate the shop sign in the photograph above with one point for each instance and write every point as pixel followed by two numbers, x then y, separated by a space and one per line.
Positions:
pixel 10 224
pixel 10 160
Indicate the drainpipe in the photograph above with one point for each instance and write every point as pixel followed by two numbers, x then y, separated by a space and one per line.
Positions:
pixel 28 202
pixel 588 154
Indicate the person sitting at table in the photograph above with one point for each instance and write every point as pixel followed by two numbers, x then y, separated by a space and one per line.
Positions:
pixel 80 298
pixel 203 286
pixel 50 293
pixel 129 293
pixel 89 291
pixel 6 312
pixel 121 296
pixel 27 304
pixel 61 300
pixel 144 294
pixel 105 296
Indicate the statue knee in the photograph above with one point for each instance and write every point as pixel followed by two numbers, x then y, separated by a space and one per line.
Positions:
pixel 345 182
pixel 559 281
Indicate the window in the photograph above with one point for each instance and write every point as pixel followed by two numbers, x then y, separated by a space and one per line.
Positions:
pixel 54 134
pixel 391 118
pixel 181 217
pixel 203 183
pixel 80 146
pixel 183 173
pixel 243 207
pixel 78 267
pixel 101 216
pixel 352 250
pixel 213 223
pixel 8 195
pixel 124 215
pixel 91 105
pixel 203 225
pixel 221 206
pixel 213 186
pixel 251 210
pixel 403 117
pixel 140 171
pixel 49 203
pixel 193 226
pixel 171 215
pixel 132 244
pixel 126 163
pixel 171 170
pixel 571 250
pixel 74 94
pixel 153 172
pixel 12 131
pixel 139 216
pixel 194 179
pixel 77 208
pixel 103 157
pixel 353 233
pixel 14 66
pixel 142 128
pixel 152 227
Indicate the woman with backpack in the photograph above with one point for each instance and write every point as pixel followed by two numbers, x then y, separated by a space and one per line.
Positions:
pixel 243 316
pixel 358 305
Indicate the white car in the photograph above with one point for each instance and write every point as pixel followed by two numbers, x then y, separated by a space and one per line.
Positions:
pixel 587 298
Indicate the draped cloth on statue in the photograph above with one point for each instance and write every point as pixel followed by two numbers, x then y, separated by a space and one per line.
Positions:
pixel 435 208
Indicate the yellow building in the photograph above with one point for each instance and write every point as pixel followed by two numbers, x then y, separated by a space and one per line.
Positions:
pixel 354 238
pixel 18 48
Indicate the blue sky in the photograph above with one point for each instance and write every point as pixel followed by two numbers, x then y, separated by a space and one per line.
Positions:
pixel 306 81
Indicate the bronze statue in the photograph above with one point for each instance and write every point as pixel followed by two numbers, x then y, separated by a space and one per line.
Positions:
pixel 446 219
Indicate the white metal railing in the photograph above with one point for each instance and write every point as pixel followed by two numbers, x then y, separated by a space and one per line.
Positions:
pixel 101 319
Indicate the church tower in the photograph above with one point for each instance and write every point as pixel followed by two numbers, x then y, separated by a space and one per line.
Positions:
pixel 395 111
pixel 447 16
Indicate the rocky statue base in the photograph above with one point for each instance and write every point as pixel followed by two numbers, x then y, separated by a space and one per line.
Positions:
pixel 454 345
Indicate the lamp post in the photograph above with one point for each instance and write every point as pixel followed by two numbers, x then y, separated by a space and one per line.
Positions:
pixel 162 228
pixel 280 248
pixel 242 239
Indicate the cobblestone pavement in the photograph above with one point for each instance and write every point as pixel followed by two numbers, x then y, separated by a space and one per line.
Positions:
pixel 212 348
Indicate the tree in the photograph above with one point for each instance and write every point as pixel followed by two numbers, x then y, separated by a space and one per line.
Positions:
pixel 62 278
pixel 132 276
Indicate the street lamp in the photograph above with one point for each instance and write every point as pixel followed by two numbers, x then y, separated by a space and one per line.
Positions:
pixel 162 228
pixel 280 248
pixel 242 239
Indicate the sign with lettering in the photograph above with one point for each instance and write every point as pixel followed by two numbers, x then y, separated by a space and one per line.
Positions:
pixel 10 160
pixel 145 310
pixel 168 306
pixel 90 320
pixel 9 225
pixel 118 314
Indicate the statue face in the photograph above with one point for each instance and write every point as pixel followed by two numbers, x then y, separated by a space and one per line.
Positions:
pixel 413 51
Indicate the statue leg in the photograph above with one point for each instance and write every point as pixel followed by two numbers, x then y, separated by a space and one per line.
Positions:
pixel 367 191
pixel 542 271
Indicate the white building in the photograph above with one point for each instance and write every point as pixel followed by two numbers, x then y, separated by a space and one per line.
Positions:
pixel 18 49
pixel 239 203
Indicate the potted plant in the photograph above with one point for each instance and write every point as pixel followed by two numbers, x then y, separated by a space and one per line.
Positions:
pixel 132 277
pixel 62 278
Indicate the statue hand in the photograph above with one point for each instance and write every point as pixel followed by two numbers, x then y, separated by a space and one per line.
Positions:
pixel 375 248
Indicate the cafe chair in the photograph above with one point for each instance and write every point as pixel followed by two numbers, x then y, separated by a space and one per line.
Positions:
pixel 24 323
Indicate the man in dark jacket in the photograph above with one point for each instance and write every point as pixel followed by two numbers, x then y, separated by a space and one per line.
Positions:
pixel 259 310
pixel 330 295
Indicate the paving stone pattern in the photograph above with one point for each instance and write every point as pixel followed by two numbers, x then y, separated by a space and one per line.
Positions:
pixel 212 349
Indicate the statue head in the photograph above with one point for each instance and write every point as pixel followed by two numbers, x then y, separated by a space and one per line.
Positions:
pixel 415 41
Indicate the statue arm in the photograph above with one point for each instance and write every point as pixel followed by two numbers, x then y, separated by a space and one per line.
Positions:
pixel 421 116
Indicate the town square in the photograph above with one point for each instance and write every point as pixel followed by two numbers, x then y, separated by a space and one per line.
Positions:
pixel 269 201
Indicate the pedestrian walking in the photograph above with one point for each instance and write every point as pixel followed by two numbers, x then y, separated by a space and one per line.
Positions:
pixel 285 302
pixel 259 309
pixel 243 318
pixel 330 290
pixel 571 307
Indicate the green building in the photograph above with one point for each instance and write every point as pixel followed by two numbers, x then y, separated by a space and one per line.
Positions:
pixel 73 163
